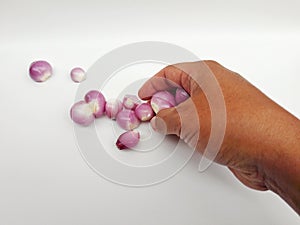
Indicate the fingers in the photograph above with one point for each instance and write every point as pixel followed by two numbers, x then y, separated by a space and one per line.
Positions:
pixel 180 120
pixel 167 121
pixel 188 76
pixel 166 79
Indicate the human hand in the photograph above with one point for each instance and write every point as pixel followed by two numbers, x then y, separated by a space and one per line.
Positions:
pixel 255 125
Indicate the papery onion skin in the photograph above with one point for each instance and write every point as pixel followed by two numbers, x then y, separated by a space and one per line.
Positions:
pixel 97 102
pixel 112 108
pixel 128 140
pixel 131 101
pixel 144 112
pixel 78 74
pixel 40 71
pixel 82 114
pixel 127 119
pixel 181 95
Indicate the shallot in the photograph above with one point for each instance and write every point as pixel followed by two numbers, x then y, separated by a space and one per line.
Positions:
pixel 144 112
pixel 127 119
pixel 113 107
pixel 181 95
pixel 127 140
pixel 162 100
pixel 40 71
pixel 97 102
pixel 78 75
pixel 131 101
pixel 82 113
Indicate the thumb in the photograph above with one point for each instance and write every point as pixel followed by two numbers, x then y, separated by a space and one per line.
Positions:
pixel 167 121
pixel 171 120
pixel 182 120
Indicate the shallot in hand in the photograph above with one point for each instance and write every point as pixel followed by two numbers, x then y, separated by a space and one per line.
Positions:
pixel 162 100
pixel 181 95
pixel 144 112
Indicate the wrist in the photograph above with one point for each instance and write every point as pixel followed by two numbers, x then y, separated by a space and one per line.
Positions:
pixel 280 158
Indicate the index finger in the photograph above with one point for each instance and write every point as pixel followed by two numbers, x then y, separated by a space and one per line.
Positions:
pixel 166 79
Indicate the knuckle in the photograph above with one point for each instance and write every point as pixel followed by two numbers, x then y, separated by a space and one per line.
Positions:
pixel 211 62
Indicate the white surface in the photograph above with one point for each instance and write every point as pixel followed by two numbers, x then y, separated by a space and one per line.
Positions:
pixel 44 180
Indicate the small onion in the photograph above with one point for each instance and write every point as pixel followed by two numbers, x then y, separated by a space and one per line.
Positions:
pixel 78 75
pixel 127 119
pixel 127 140
pixel 97 102
pixel 82 114
pixel 162 100
pixel 113 107
pixel 144 112
pixel 40 71
pixel 167 96
pixel 131 101
pixel 181 95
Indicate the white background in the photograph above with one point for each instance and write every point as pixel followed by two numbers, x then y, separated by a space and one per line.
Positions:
pixel 43 178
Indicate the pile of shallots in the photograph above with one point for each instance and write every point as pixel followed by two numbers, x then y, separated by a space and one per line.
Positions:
pixel 128 113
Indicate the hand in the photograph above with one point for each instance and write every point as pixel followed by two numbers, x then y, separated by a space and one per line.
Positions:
pixel 258 131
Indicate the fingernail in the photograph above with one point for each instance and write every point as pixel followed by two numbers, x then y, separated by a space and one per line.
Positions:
pixel 159 125
pixel 152 122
